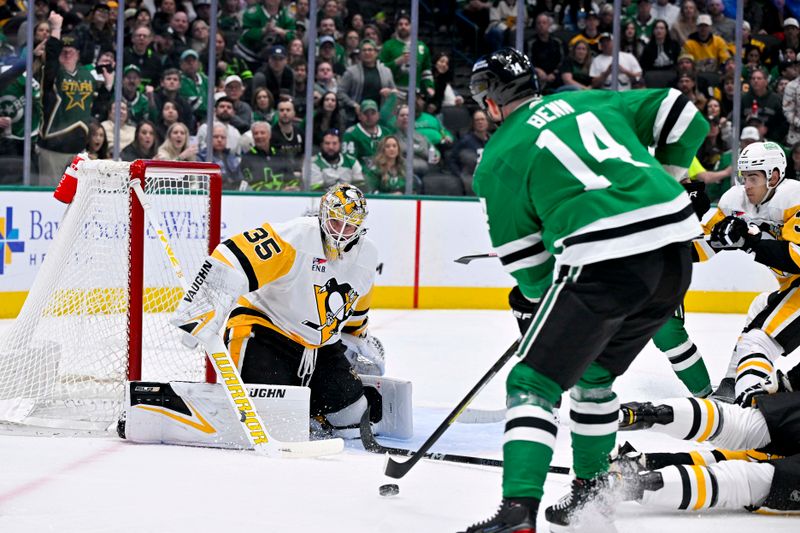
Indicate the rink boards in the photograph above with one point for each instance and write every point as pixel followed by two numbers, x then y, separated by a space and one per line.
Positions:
pixel 417 238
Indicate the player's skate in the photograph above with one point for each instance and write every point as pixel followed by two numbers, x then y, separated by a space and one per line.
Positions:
pixel 512 517
pixel 635 415
pixel 589 506
pixel 627 460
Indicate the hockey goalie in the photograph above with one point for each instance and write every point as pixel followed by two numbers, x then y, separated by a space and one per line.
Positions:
pixel 291 301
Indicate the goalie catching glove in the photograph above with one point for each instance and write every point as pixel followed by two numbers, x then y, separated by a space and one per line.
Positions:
pixel 365 353
pixel 733 233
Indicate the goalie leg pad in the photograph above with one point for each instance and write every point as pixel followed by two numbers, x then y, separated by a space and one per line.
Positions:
pixel 391 406
pixel 197 414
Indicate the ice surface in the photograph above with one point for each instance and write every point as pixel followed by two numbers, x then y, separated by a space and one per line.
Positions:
pixel 106 485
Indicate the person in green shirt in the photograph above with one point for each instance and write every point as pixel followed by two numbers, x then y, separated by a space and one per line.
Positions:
pixel 386 174
pixel 194 84
pixel 361 140
pixel 263 25
pixel 595 231
pixel 395 55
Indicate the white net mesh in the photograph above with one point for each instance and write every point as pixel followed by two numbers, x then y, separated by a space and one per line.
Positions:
pixel 64 361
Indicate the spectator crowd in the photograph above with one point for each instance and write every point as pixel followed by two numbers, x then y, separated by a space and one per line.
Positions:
pixel 360 82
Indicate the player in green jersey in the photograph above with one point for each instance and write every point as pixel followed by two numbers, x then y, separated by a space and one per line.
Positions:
pixel 595 231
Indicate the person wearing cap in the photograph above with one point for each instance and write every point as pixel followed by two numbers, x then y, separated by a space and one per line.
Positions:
pixel 629 70
pixel 791 33
pixel 68 96
pixel 768 105
pixel 665 10
pixel 332 52
pixel 643 20
pixel 590 33
pixel 142 54
pixel 368 79
pixel 132 94
pixel 276 74
pixel 361 140
pixel 687 85
pixel 395 55
pixel 263 24
pixel 686 65
pixel 95 34
pixel 203 10
pixel 194 84
pixel 709 51
pixel 242 112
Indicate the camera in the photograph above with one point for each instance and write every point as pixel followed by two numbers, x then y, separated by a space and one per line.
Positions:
pixel 104 68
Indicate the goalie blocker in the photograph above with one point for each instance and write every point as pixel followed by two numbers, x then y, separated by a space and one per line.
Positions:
pixel 196 414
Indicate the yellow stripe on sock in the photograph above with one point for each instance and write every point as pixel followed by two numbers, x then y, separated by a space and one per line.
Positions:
pixel 701 487
pixel 761 364
pixel 710 422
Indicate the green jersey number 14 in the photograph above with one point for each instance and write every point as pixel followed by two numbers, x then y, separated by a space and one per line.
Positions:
pixel 593 135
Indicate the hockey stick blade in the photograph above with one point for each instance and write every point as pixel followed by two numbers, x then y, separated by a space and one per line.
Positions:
pixel 305 449
pixel 467 259
pixel 372 445
pixel 482 416
pixel 397 470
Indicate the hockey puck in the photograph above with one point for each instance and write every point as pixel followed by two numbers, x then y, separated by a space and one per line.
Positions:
pixel 390 489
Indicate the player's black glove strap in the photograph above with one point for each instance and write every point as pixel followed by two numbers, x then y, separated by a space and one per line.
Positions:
pixel 697 194
pixel 731 233
pixel 522 308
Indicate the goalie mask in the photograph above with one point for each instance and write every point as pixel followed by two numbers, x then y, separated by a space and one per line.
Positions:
pixel 763 156
pixel 504 76
pixel 342 212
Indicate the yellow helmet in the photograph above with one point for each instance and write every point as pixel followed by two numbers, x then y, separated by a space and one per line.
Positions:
pixel 342 212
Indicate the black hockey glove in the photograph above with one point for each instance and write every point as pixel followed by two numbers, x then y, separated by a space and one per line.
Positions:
pixel 697 194
pixel 732 233
pixel 522 308
pixel 775 383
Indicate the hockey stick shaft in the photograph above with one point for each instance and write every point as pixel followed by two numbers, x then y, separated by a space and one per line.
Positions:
pixel 228 373
pixel 397 469
pixel 372 445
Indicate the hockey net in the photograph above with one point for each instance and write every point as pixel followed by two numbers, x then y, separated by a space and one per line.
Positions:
pixel 98 311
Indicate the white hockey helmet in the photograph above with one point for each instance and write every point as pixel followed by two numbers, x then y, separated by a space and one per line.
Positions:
pixel 342 212
pixel 764 156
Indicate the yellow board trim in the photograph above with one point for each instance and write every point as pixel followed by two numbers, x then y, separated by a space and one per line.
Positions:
pixel 451 298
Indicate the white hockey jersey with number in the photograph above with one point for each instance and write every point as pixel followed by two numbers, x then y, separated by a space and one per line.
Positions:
pixel 294 289
pixel 778 217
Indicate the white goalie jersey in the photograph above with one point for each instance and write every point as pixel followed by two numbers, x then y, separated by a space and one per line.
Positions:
pixel 293 288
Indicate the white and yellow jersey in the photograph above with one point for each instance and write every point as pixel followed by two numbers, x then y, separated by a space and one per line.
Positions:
pixel 294 289
pixel 778 217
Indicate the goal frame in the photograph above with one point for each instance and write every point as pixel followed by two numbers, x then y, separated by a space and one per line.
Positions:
pixel 137 234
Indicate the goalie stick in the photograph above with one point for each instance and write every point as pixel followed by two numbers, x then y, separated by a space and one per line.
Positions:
pixel 235 392
pixel 397 470
pixel 372 445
